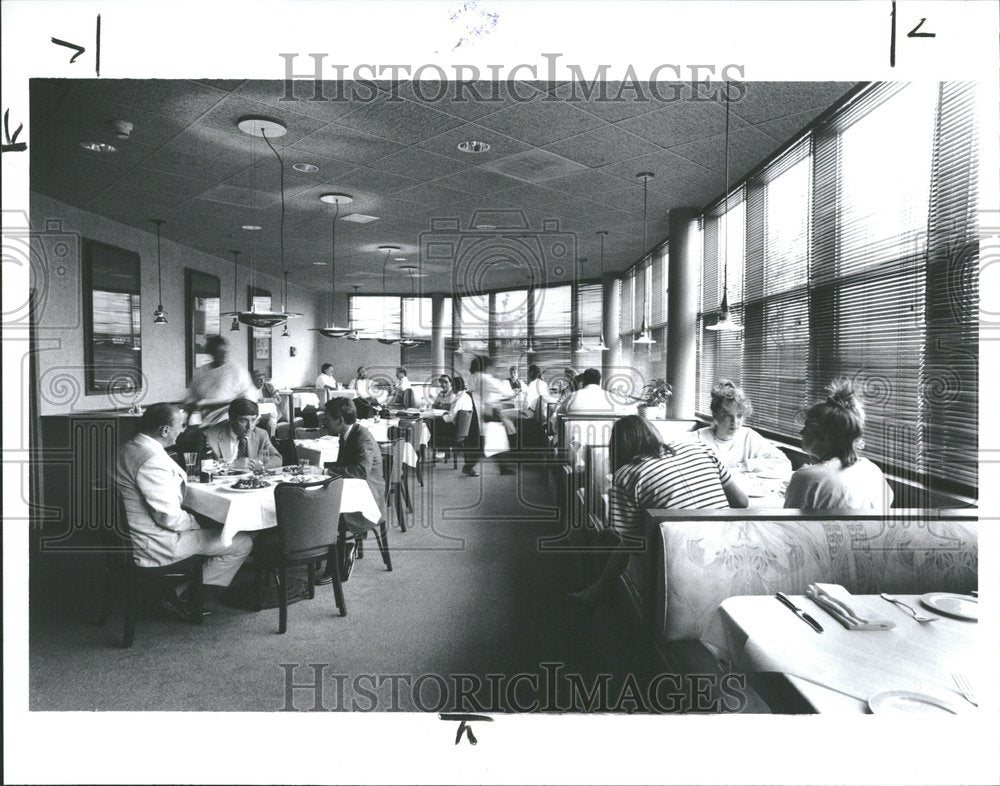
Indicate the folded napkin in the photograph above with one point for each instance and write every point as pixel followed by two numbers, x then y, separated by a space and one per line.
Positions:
pixel 845 608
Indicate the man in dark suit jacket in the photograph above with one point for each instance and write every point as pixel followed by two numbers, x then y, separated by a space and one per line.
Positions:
pixel 359 456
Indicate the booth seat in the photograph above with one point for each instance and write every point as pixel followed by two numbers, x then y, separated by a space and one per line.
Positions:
pixel 693 560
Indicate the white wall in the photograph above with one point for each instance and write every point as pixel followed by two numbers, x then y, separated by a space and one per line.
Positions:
pixel 60 324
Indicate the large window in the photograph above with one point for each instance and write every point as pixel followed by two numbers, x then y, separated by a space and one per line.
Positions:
pixel 112 314
pixel 851 255
pixel 644 295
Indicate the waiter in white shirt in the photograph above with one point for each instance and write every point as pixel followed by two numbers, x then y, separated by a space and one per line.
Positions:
pixel 215 385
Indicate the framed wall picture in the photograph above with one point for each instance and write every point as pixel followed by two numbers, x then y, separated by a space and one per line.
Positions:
pixel 202 302
pixel 259 345
pixel 112 340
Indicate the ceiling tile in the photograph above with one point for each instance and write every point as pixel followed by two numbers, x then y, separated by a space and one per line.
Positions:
pixel 478 181
pixel 374 181
pixel 227 114
pixel 176 162
pixel 468 100
pixel 747 147
pixel 541 122
pixel 662 163
pixel 432 194
pixel 420 164
pixel 681 122
pixel 241 197
pixel 602 146
pixel 783 129
pixel 763 101
pixel 589 184
pixel 446 144
pixel 347 144
pixel 336 98
pixel 183 100
pixel 400 120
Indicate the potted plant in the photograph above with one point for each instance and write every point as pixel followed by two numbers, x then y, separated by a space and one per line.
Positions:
pixel 655 393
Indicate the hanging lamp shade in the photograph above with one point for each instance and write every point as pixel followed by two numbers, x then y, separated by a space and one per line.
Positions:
pixel 602 347
pixel 234 326
pixel 331 329
pixel 645 336
pixel 725 322
pixel 264 128
pixel 160 315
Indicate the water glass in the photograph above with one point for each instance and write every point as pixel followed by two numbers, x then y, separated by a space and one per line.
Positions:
pixel 191 464
pixel 304 466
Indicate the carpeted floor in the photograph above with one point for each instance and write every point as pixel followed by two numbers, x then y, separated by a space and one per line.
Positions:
pixel 473 602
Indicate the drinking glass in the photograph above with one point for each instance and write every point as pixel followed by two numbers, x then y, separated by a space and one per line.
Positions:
pixel 191 463
pixel 304 466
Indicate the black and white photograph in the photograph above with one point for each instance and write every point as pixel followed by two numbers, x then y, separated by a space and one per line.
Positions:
pixel 423 394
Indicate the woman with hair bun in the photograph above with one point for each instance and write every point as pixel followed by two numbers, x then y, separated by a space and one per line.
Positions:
pixel 839 478
pixel 737 446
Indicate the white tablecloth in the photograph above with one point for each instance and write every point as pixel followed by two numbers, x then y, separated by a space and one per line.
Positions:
pixel 304 399
pixel 838 670
pixel 267 408
pixel 320 451
pixel 250 511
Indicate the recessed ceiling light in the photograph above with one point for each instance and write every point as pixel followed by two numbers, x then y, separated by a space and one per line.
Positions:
pixel 399 259
pixel 261 126
pixel 305 167
pixel 98 147
pixel 250 227
pixel 485 226
pixel 334 198
pixel 319 264
pixel 473 146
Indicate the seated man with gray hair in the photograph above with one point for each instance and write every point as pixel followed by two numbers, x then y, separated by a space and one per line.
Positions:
pixel 238 439
pixel 152 486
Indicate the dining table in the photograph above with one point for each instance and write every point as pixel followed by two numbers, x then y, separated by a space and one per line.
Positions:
pixel 323 450
pixel 253 510
pixel 846 671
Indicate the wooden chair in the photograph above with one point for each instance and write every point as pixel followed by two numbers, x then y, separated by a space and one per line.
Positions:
pixel 308 521
pixel 410 431
pixel 463 422
pixel 120 570
pixel 398 489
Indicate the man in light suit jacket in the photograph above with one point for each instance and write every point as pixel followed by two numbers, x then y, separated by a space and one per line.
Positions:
pixel 238 439
pixel 152 486
pixel 359 456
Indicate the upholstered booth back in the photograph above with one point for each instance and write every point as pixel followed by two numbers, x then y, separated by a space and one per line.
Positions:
pixel 693 560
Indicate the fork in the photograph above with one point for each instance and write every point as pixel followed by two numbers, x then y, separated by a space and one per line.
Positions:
pixel 913 612
pixel 965 687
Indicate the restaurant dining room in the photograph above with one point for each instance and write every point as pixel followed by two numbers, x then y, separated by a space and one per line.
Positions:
pixel 504 397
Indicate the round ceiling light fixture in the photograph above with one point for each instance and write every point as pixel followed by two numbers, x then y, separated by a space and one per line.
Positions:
pixel 336 199
pixel 305 167
pixel 253 125
pixel 98 147
pixel 473 146
pixel 485 226
pixel 388 249
pixel 250 227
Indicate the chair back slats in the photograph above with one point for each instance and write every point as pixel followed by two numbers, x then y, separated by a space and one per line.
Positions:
pixel 308 514
pixel 463 421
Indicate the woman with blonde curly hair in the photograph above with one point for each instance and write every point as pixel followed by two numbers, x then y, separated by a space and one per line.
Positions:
pixel 838 478
pixel 737 446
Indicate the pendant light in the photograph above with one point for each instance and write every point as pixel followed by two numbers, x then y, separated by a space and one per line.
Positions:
pixel 602 347
pixel 331 330
pixel 235 326
pixel 385 339
pixel 580 348
pixel 408 343
pixel 645 337
pixel 725 322
pixel 284 296
pixel 265 128
pixel 159 316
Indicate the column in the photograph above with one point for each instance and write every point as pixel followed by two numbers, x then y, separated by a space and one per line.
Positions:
pixel 437 334
pixel 682 311
pixel 611 298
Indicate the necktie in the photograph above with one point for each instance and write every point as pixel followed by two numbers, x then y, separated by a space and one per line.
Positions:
pixel 243 451
pixel 340 448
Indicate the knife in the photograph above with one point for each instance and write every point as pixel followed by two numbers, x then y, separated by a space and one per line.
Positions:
pixel 799 612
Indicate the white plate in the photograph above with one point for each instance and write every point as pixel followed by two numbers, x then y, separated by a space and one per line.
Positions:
pixel 244 491
pixel 904 701
pixel 963 607
pixel 231 473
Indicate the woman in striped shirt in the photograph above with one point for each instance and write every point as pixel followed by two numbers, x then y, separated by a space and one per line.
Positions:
pixel 648 474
